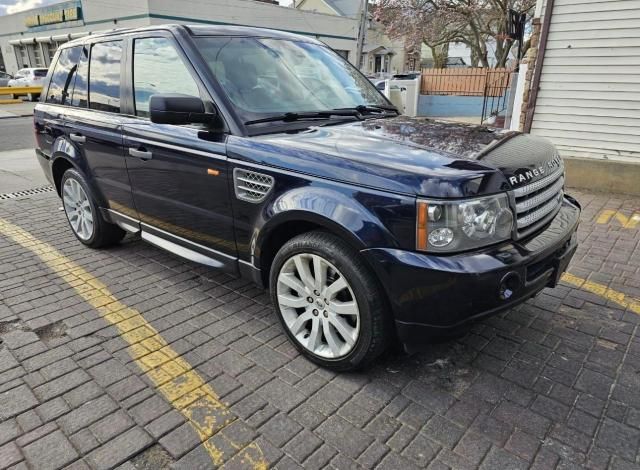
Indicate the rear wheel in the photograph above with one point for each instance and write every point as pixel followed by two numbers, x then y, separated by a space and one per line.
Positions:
pixel 83 215
pixel 329 303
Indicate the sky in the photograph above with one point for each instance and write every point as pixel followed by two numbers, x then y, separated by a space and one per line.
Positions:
pixel 13 6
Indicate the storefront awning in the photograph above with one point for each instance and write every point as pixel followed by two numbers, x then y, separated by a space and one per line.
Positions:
pixel 46 39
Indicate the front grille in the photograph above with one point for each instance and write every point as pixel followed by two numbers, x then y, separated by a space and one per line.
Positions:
pixel 537 202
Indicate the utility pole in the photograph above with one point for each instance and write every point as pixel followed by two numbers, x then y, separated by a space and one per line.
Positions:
pixel 362 32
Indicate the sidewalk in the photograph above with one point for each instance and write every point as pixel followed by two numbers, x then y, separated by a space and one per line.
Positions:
pixel 19 170
pixel 17 110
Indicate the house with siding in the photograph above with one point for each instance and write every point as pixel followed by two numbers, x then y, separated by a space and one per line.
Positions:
pixel 381 56
pixel 581 89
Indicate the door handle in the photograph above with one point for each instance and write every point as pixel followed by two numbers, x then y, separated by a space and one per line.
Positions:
pixel 78 138
pixel 140 153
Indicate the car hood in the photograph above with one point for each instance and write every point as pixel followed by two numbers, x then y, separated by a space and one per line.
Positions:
pixel 408 155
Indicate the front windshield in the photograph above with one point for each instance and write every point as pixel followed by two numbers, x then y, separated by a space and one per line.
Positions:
pixel 265 76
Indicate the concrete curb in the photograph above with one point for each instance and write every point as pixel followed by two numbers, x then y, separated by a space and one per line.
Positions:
pixel 608 176
pixel 16 116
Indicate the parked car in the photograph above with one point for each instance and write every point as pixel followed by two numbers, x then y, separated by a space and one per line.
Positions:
pixel 453 62
pixel 28 77
pixel 4 79
pixel 365 226
pixel 406 76
pixel 379 84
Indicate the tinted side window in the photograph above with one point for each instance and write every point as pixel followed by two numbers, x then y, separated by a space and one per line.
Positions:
pixel 81 87
pixel 104 76
pixel 157 68
pixel 63 75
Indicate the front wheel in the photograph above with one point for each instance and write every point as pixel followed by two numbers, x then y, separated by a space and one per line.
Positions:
pixel 83 215
pixel 329 303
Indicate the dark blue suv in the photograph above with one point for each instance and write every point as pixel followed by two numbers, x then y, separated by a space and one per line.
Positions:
pixel 267 155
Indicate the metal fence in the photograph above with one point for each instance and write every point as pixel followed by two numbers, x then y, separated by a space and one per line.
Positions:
pixel 465 81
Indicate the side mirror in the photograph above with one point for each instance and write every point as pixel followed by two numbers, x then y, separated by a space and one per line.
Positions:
pixel 175 108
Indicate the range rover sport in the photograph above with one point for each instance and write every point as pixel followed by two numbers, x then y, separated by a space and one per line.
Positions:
pixel 267 155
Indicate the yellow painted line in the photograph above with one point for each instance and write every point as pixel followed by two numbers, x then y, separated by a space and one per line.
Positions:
pixel 19 90
pixel 172 376
pixel 626 222
pixel 604 292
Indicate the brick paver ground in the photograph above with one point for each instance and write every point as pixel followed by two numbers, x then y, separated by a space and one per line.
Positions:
pixel 553 383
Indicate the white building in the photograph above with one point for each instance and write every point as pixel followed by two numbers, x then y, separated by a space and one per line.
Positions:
pixel 30 38
pixel 381 55
pixel 583 89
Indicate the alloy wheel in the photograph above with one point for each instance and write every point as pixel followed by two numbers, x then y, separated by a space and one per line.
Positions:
pixel 78 208
pixel 318 306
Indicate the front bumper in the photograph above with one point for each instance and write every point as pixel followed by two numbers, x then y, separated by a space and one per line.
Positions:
pixel 430 294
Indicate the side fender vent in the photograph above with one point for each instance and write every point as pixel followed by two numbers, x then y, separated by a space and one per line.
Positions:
pixel 251 186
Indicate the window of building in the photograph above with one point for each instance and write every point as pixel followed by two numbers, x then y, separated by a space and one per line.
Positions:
pixel 63 76
pixel 23 56
pixel 81 87
pixel 51 47
pixel 342 53
pixel 157 68
pixel 38 58
pixel 104 76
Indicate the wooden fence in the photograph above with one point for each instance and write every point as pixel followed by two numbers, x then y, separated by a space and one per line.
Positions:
pixel 472 81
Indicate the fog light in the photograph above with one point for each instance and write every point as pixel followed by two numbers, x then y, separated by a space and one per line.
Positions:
pixel 441 237
pixel 509 285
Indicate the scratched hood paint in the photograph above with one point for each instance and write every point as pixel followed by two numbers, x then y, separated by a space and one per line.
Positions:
pixel 407 155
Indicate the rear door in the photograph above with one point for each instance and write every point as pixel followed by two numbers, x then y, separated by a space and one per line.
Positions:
pixel 179 174
pixel 94 123
pixel 49 116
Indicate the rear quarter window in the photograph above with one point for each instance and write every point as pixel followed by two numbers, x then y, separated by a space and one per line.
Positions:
pixel 62 78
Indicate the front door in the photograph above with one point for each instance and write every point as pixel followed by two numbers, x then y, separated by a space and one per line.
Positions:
pixel 179 174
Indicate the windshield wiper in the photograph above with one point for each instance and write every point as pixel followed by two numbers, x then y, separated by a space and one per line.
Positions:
pixel 290 117
pixel 371 109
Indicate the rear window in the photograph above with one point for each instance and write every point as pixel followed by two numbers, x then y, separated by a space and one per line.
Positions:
pixel 63 76
pixel 40 72
pixel 104 76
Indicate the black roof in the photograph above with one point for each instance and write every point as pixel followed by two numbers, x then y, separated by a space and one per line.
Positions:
pixel 202 30
pixel 229 30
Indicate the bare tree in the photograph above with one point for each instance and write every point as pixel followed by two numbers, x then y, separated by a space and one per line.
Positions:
pixel 436 23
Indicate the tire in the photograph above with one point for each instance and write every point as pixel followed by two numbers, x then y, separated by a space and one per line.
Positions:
pixel 81 208
pixel 364 328
pixel 33 97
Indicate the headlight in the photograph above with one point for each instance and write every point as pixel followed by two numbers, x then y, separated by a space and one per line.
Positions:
pixel 444 226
